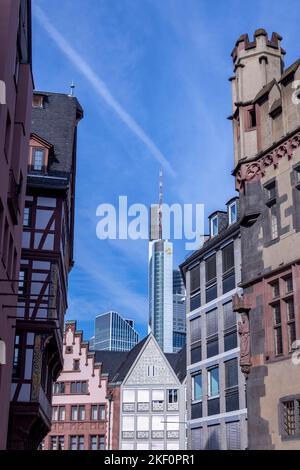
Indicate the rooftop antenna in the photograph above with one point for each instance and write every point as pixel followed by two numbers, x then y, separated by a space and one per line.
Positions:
pixel 160 202
pixel 72 86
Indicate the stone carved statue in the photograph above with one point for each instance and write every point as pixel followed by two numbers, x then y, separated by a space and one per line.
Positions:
pixel 240 306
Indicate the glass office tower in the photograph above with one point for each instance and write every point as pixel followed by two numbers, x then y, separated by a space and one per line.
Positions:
pixel 114 333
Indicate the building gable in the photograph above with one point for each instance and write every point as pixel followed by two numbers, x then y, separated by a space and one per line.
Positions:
pixel 151 367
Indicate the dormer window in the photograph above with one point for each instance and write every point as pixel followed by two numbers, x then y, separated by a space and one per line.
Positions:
pixel 232 213
pixel 250 118
pixel 37 101
pixel 37 159
pixel 214 226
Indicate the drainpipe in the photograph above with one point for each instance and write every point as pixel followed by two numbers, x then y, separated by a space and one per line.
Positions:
pixel 110 399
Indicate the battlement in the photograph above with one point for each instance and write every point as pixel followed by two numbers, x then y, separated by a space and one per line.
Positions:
pixel 260 40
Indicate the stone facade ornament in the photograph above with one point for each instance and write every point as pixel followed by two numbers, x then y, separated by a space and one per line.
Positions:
pixel 240 305
pixel 256 170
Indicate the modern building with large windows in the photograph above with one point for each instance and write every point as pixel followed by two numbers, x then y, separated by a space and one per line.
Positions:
pixel 113 333
pixel 217 414
pixel 179 323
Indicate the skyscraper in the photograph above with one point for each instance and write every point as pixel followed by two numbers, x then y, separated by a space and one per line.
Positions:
pixel 160 279
pixel 179 328
pixel 114 333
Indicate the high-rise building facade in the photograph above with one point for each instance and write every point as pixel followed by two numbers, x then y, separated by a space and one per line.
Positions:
pixel 16 86
pixel 46 260
pixel 216 401
pixel 266 123
pixel 179 323
pixel 160 280
pixel 114 333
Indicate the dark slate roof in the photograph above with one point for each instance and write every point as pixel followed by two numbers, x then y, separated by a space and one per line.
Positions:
pixel 56 123
pixel 178 363
pixel 265 90
pixel 291 69
pixel 117 364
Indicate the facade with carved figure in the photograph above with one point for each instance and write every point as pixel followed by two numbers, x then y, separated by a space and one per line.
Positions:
pixel 85 409
pixel 266 123
pixel 47 258
pixel 153 400
pixel 16 85
pixel 216 335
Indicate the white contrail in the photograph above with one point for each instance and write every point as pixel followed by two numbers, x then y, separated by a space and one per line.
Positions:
pixel 100 87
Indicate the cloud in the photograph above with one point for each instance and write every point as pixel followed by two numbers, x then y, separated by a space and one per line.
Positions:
pixel 101 88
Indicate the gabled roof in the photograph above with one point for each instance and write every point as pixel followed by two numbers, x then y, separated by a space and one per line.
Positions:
pixel 265 90
pixel 291 69
pixel 118 364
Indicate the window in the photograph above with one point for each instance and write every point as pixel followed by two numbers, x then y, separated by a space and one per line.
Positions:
pixel 58 413
pixel 275 287
pixel 213 440
pixel 197 386
pixel 230 327
pixel 17 357
pixel 233 435
pixel 143 396
pixel 98 412
pixel 228 268
pixel 195 326
pixel 271 190
pixel 232 212
pixel 195 301
pixel 37 101
pixel 274 222
pixel 277 329
pixel 81 413
pixel 173 396
pixel 74 413
pixel 197 438
pixel 79 387
pixel 213 382
pixel 290 313
pixel 142 427
pixel 158 397
pixel 231 385
pixel 59 387
pixel 211 274
pixel 76 364
pixel 128 396
pixel 290 417
pixel 53 442
pixel 158 424
pixel 289 284
pixel 212 344
pixel 251 118
pixel 76 442
pixel 214 226
pixel 195 278
pixel 128 424
pixel 22 282
pixel 97 442
pixel 150 371
pixel 27 216
pixel 37 159
pixel 7 136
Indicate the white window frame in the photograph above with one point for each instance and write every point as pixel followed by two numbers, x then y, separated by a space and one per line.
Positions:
pixel 212 226
pixel 209 382
pixel 129 395
pixel 233 204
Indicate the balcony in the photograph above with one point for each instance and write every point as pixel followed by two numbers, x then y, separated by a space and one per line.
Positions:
pixel 173 434
pixel 143 406
pixel 142 434
pixel 128 435
pixel 128 407
pixel 157 434
pixel 172 407
pixel 13 197
pixel 157 405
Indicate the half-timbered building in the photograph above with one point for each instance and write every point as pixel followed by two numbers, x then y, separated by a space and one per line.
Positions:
pixel 47 258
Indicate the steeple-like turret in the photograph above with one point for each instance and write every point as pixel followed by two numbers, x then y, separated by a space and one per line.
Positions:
pixel 256 64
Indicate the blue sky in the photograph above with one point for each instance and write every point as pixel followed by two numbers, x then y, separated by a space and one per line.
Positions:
pixel 152 77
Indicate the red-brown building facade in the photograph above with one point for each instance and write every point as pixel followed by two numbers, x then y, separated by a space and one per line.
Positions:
pixel 85 408
pixel 266 122
pixel 15 119
pixel 47 258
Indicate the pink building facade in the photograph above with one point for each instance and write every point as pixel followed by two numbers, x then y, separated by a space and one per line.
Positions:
pixel 85 409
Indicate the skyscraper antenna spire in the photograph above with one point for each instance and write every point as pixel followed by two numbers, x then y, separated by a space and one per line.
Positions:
pixel 72 86
pixel 160 202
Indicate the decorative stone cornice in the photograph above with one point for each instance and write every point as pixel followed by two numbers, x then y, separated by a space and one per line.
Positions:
pixel 256 169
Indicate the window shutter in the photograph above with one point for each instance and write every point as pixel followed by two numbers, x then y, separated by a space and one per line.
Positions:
pixel 211 323
pixel 197 438
pixel 230 317
pixel 195 278
pixel 213 437
pixel 210 268
pixel 195 329
pixel 231 373
pixel 158 395
pixel 233 435
pixel 128 396
pixel 143 396
pixel 228 257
